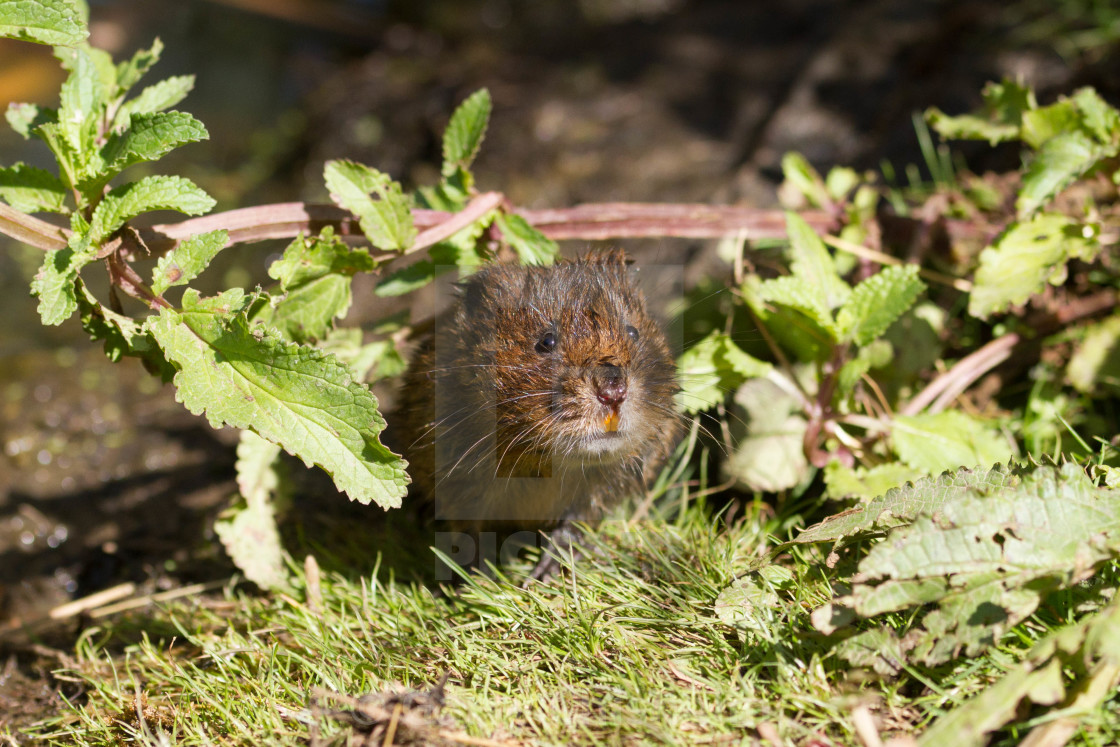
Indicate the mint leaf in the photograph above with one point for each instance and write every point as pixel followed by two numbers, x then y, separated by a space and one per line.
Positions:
pixel 54 284
pixel 465 131
pixel 129 73
pixel 81 99
pixel 150 193
pixel 1101 119
pixel 292 395
pixel 532 246
pixel 713 368
pixel 1004 107
pixel 947 441
pixel 408 279
pixel 877 302
pixel 800 175
pixel 24 118
pixel 315 276
pixel 155 98
pixel 43 22
pixel 1025 258
pixel 461 250
pixel 149 137
pixel 386 219
pixel 797 293
pixel 1059 161
pixel 812 263
pixel 187 260
pixel 31 190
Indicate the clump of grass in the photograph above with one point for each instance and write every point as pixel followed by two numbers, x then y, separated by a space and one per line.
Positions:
pixel 628 648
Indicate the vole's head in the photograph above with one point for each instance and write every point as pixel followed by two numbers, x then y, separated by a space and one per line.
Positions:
pixel 576 367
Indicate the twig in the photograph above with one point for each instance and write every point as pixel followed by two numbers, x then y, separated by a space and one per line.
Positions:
pixel 946 387
pixel 78 606
pixel 844 245
pixel 31 230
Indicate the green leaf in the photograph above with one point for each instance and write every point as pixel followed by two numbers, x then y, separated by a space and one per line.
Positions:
pixel 42 21
pixel 1059 161
pixel 460 251
pixel 187 260
pixel 796 293
pixel 1101 119
pixel 713 368
pixel 386 220
pixel 866 483
pixel 69 159
pixel 465 131
pixel 987 561
pixel 54 284
pixel 155 98
pixel 248 531
pixel 292 395
pixel 372 361
pixel 812 263
pixel 25 118
pixel 946 441
pixel 129 73
pixel 532 246
pixel 800 175
pixel 902 505
pixel 150 193
pixel 1005 105
pixel 1040 125
pixel 1095 364
pixel 81 100
pixel 31 190
pixel 149 137
pixel 1025 258
pixel 315 276
pixel 877 302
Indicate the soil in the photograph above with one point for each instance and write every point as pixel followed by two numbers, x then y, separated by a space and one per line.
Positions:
pixel 105 479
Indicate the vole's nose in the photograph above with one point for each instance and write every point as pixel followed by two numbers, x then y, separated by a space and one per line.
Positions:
pixel 610 385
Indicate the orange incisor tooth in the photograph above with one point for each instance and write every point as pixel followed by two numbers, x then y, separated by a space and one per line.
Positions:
pixel 610 423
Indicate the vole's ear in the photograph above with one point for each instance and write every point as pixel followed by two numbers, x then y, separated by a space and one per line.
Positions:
pixel 472 291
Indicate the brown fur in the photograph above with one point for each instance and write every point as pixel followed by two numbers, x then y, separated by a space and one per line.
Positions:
pixel 501 432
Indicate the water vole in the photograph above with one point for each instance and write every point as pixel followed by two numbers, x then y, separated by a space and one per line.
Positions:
pixel 543 397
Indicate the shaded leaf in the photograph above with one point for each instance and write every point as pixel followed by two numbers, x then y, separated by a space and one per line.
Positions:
pixel 31 190
pixel 812 263
pixel 771 454
pixel 711 369
pixel 1096 361
pixel 866 483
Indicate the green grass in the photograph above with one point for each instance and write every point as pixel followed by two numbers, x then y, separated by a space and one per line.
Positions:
pixel 630 649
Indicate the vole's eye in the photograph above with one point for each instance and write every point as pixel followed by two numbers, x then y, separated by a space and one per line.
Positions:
pixel 632 332
pixel 547 343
